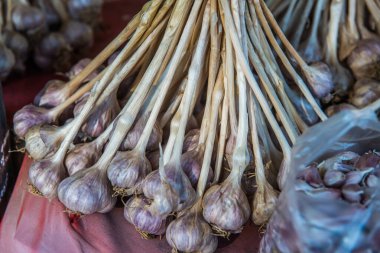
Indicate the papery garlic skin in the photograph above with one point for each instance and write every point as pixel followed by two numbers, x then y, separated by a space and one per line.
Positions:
pixel 139 213
pixel 7 61
pixel 101 118
pixel 54 93
pixel 128 169
pixel 191 140
pixel 226 206
pixel 264 204
pixel 41 140
pixel 364 60
pixel 191 233
pixel 79 35
pixel 135 133
pixel 364 92
pixel 320 79
pixel 46 175
pixel 87 191
pixel 191 163
pixel 29 116
pixel 27 18
pixel 82 156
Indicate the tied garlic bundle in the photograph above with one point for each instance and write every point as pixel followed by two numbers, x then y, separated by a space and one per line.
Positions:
pixel 342 34
pixel 50 32
pixel 126 123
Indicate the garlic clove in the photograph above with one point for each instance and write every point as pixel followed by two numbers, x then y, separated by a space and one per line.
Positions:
pixel 311 176
pixel 334 109
pixel 352 193
pixel 364 92
pixel 87 191
pixel 343 162
pixel 226 206
pixel 54 93
pixel 364 59
pixel 334 178
pixel 46 175
pixel 369 160
pixel 320 80
pixel 357 176
pixel 139 213
pixel 191 233
pixel 42 140
pixel 82 156
pixel 29 116
pixel 127 169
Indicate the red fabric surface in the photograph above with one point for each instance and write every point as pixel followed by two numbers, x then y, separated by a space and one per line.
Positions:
pixel 34 224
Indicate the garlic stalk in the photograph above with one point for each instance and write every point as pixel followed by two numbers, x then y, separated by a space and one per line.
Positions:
pixel 122 126
pixel 342 78
pixel 54 171
pixel 190 232
pixel 307 70
pixel 265 197
pixel 349 34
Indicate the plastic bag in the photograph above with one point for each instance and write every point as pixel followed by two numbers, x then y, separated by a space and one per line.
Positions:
pixel 306 223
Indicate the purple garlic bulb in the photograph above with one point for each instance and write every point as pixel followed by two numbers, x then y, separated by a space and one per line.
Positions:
pixel 54 93
pixel 82 156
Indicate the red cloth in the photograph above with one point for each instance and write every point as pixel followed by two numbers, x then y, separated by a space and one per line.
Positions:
pixel 33 224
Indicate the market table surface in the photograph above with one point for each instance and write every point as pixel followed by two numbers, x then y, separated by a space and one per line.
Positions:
pixel 34 224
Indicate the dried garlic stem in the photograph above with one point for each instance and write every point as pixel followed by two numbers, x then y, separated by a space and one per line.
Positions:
pixel 284 23
pixel 286 121
pixel 60 8
pixel 361 18
pixel 8 18
pixel 297 79
pixel 254 85
pixel 349 34
pixel 375 11
pixel 217 96
pixel 265 196
pixel 300 23
pixel 126 119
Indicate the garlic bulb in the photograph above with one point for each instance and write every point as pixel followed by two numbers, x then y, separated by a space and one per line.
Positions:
pixel 364 59
pixel 46 175
pixel 191 233
pixel 53 52
pixel 226 206
pixel 191 140
pixel 154 159
pixel 79 36
pixel 29 116
pixel 139 212
pixel 7 61
pixel 134 134
pixel 19 46
pixel 54 93
pixel 191 163
pixel 82 156
pixel 87 191
pixel 364 92
pixel 100 118
pixel 127 169
pixel 27 18
pixel 79 66
pixel 42 140
pixel 320 79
